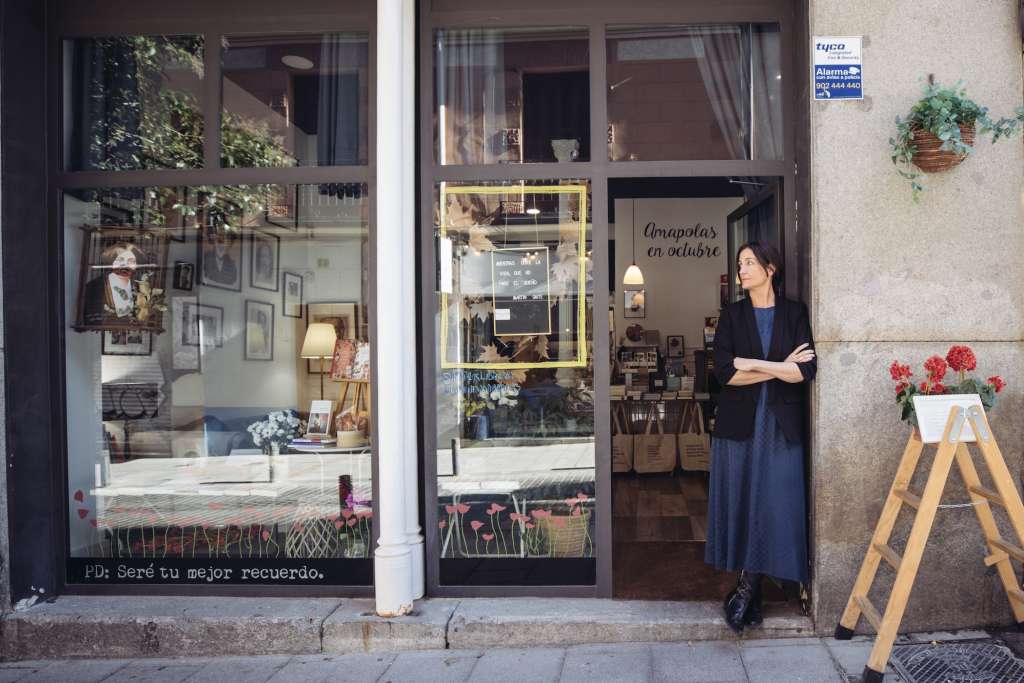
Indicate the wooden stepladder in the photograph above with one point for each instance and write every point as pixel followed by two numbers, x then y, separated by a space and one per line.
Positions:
pixel 1000 551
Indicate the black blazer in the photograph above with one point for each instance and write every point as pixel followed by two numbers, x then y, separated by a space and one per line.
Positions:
pixel 737 337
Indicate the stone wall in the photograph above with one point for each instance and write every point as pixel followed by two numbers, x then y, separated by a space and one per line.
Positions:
pixel 894 279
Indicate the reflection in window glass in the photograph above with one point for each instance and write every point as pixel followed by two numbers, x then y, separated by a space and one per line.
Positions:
pixel 194 368
pixel 515 421
pixel 294 100
pixel 510 96
pixel 133 103
pixel 694 92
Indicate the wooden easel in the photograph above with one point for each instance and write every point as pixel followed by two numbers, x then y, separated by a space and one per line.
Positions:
pixel 360 396
pixel 1000 551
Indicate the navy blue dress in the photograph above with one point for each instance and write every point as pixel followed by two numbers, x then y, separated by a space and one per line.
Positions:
pixel 756 513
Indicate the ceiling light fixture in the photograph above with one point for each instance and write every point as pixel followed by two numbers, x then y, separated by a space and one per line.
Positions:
pixel 633 276
pixel 297 62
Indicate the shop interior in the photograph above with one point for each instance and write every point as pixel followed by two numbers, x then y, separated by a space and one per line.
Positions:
pixel 670 271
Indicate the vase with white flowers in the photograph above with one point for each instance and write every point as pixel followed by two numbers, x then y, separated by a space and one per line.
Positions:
pixel 277 429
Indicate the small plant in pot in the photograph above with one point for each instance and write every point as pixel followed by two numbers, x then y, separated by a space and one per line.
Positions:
pixel 940 130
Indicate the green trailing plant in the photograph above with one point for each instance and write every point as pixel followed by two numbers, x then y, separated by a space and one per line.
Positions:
pixel 941 111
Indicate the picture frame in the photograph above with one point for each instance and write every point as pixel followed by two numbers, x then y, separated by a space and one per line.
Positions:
pixel 127 342
pixel 633 303
pixel 321 413
pixel 183 276
pixel 219 258
pixel 183 356
pixel 118 266
pixel 259 330
pixel 264 260
pixel 205 325
pixel 291 295
pixel 675 346
pixel 344 315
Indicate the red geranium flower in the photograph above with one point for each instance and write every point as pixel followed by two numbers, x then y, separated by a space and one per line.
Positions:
pixel 898 372
pixel 936 367
pixel 901 386
pixel 997 382
pixel 961 358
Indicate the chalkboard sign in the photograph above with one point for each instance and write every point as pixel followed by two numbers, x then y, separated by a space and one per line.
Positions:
pixel 521 291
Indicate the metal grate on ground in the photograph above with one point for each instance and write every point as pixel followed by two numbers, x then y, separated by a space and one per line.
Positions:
pixel 957 663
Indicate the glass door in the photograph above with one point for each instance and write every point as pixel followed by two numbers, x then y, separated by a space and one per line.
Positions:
pixel 759 218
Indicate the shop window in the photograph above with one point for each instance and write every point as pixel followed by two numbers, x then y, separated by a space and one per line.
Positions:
pixel 511 95
pixel 207 323
pixel 694 92
pixel 515 414
pixel 294 100
pixel 133 103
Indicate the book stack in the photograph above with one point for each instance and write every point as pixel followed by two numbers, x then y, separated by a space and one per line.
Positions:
pixel 313 442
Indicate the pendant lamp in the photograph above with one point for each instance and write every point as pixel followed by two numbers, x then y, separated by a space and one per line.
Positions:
pixel 633 275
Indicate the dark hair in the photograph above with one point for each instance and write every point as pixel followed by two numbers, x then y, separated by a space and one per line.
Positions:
pixel 766 255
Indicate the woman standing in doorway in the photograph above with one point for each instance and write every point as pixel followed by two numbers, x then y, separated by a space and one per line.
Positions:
pixel 764 352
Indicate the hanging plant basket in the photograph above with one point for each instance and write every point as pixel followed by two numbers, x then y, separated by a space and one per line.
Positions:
pixel 930 157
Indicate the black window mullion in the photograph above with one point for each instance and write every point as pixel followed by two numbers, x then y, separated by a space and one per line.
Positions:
pixel 211 101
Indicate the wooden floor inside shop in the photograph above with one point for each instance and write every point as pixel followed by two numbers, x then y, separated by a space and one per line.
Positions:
pixel 659 523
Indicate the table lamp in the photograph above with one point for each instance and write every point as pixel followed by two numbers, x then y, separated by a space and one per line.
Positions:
pixel 319 343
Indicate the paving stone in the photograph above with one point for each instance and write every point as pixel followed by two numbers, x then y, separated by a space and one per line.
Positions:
pixel 354 628
pixel 790 663
pixel 852 655
pixel 623 662
pixel 248 669
pixel 81 671
pixel 148 671
pixel 357 668
pixel 701 662
pixel 515 666
pixel 440 666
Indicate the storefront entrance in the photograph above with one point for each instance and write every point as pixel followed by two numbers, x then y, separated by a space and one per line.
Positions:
pixel 528 192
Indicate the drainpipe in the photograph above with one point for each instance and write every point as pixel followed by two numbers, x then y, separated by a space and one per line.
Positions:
pixel 392 560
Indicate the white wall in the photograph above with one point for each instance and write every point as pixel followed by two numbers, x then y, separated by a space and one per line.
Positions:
pixel 680 290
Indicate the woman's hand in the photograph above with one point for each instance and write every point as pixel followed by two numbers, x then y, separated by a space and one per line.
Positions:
pixel 745 364
pixel 800 354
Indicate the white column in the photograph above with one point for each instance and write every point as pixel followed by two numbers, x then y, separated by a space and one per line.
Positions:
pixel 414 537
pixel 392 558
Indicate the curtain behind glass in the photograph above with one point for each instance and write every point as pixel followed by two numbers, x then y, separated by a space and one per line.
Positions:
pixel 337 141
pixel 470 95
pixel 723 66
pixel 766 63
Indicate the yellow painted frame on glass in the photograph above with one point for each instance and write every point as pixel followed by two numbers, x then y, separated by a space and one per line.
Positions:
pixel 581 300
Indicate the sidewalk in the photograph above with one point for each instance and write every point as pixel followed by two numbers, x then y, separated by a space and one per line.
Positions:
pixel 792 660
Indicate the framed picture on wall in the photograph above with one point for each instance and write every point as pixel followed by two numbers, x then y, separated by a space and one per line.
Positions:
pixel 183 355
pixel 127 343
pixel 259 330
pixel 291 306
pixel 344 315
pixel 219 260
pixel 184 276
pixel 264 259
pixel 676 346
pixel 205 325
pixel 633 304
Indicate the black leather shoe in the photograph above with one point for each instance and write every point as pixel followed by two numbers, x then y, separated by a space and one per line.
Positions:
pixel 738 602
pixel 753 616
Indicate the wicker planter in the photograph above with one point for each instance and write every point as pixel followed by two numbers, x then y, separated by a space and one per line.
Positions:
pixel 929 156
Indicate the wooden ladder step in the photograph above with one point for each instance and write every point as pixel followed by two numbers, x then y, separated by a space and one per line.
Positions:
pixel 987 493
pixel 890 555
pixel 869 611
pixel 1011 549
pixel 907 497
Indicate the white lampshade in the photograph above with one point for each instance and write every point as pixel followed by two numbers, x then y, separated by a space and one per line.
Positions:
pixel 633 276
pixel 319 341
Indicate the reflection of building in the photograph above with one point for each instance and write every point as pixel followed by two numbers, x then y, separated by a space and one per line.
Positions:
pixel 699 102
